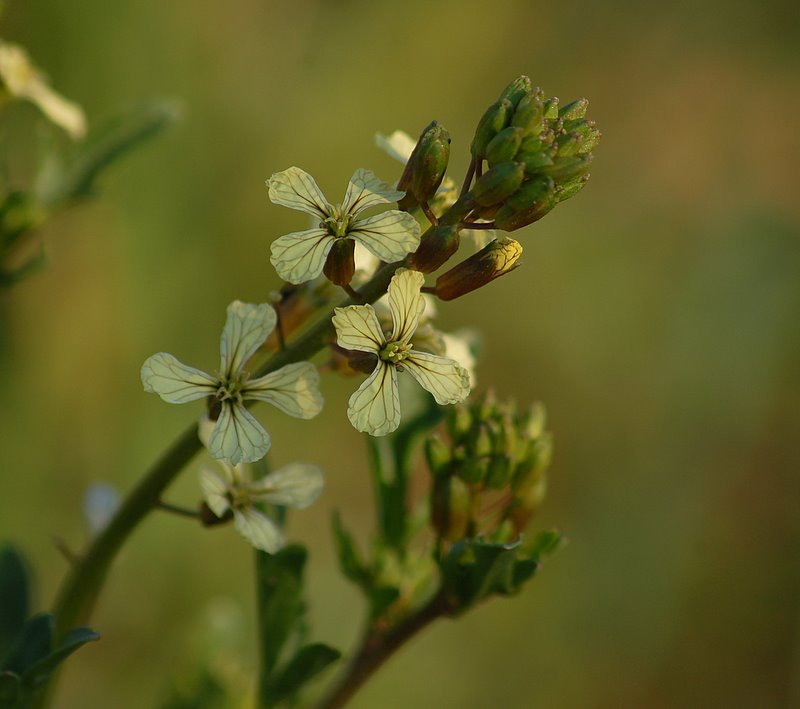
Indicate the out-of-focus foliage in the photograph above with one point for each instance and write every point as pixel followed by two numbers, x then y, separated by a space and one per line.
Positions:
pixel 656 315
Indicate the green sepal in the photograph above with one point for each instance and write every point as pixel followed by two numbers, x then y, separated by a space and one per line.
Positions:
pixel 568 168
pixel 498 183
pixel 574 109
pixel 517 90
pixel 571 188
pixel 350 561
pixel 529 114
pixel 496 117
pixel 14 595
pixel 503 147
pixel 306 664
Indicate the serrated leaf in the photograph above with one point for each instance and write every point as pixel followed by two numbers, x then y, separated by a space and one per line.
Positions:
pixel 349 559
pixel 37 673
pixel 14 596
pixel 309 661
pixel 281 606
pixel 32 644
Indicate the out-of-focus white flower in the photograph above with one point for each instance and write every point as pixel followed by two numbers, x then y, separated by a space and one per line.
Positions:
pixel 300 256
pixel 100 502
pixel 237 436
pixel 375 407
pixel 295 485
pixel 23 80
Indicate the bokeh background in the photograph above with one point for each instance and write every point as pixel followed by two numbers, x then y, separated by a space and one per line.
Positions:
pixel 656 315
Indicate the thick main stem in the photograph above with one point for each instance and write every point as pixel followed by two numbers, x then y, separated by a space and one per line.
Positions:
pixel 378 647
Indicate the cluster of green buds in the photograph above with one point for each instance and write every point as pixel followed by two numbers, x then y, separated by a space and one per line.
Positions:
pixel 537 155
pixel 489 473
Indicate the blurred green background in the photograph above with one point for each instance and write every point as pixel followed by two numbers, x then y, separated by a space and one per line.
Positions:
pixel 656 315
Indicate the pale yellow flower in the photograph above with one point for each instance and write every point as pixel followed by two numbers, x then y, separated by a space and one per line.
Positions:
pixel 300 256
pixel 23 80
pixel 237 436
pixel 375 407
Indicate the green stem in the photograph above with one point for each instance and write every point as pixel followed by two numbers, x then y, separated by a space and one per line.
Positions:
pixel 377 647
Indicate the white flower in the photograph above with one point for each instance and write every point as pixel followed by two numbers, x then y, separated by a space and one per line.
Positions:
pixel 296 485
pixel 237 436
pixel 300 256
pixel 22 80
pixel 375 407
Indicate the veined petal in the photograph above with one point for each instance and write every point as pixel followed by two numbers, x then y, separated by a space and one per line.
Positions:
pixel 357 328
pixel 246 328
pixel 238 437
pixel 215 491
pixel 258 529
pixel 300 256
pixel 294 485
pixel 375 407
pixel 445 378
pixel 174 381
pixel 294 389
pixel 398 145
pixel 296 189
pixel 406 303
pixel 367 190
pixel 390 235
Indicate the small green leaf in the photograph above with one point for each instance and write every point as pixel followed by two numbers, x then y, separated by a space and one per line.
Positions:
pixel 10 690
pixel 349 559
pixel 14 595
pixel 309 661
pixel 32 643
pixel 281 606
pixel 380 598
pixel 36 674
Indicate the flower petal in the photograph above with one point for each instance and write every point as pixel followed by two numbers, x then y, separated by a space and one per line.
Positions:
pixel 445 378
pixel 246 328
pixel 294 485
pixel 174 381
pixel 398 145
pixel 258 529
pixel 367 190
pixel 294 389
pixel 296 189
pixel 238 437
pixel 406 303
pixel 390 236
pixel 215 491
pixel 357 328
pixel 375 407
pixel 300 256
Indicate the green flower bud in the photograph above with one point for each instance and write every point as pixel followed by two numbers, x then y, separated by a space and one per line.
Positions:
pixel 575 109
pixel 486 407
pixel 534 162
pixel 438 456
pixel 531 424
pixel 341 264
pixel 473 470
pixel 568 168
pixel 494 260
pixel 452 508
pixel 530 192
pixel 510 219
pixel 480 444
pixel 496 118
pixel 499 472
pixel 526 503
pixel 571 188
pixel 459 422
pixel 551 108
pixel 517 90
pixel 425 168
pixel 437 246
pixel 498 183
pixel 529 114
pixel 535 463
pixel 503 147
pixel 505 533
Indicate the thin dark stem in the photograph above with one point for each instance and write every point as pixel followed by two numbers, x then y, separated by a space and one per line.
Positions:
pixel 478 169
pixel 429 289
pixel 177 509
pixel 377 648
pixel 478 225
pixel 426 210
pixel 468 178
pixel 353 293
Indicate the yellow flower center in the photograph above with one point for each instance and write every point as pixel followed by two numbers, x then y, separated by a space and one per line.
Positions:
pixel 395 352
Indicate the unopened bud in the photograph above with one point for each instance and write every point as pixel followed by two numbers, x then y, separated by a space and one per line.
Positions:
pixel 571 188
pixel 551 108
pixel 532 422
pixel 473 470
pixel 425 168
pixel 517 90
pixel 340 264
pixel 511 219
pixel 437 246
pixel 529 114
pixel 499 182
pixel 531 191
pixel 437 455
pixel 568 168
pixel 452 508
pixel 574 109
pixel 494 260
pixel 496 117
pixel 499 472
pixel 459 422
pixel 480 444
pixel 503 147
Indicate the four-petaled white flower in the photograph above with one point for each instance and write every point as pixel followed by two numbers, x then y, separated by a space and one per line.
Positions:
pixel 375 407
pixel 237 436
pixel 300 256
pixel 295 485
